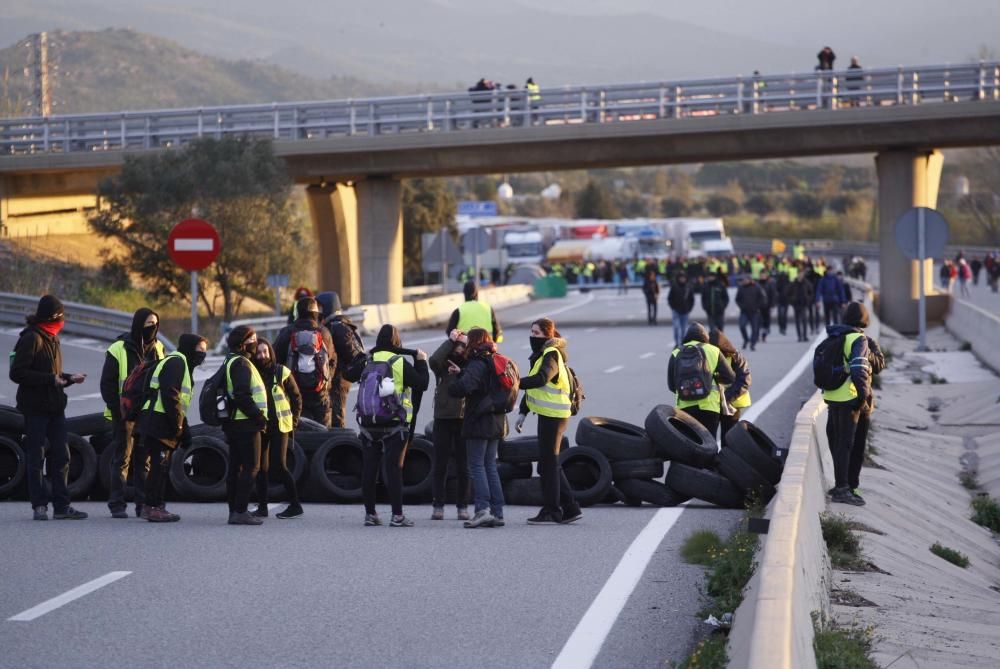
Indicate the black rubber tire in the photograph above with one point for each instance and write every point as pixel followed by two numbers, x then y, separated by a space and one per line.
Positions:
pixel 309 425
pixel 429 431
pixel 654 492
pixel 588 473
pixel 509 471
pixel 757 450
pixel 202 430
pixel 198 472
pixel 336 463
pixel 297 463
pixel 518 450
pixel 418 472
pixel 676 435
pixel 649 468
pixel 523 492
pixel 88 424
pixel 101 440
pixel 13 465
pixel 82 467
pixel 616 439
pixel 751 482
pixel 11 420
pixel 704 484
pixel 614 496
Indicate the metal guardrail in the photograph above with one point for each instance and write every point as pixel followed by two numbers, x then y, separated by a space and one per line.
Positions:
pixel 269 326
pixel 81 319
pixel 569 105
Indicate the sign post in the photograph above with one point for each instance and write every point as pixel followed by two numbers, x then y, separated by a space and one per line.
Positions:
pixel 277 281
pixel 194 244
pixel 921 233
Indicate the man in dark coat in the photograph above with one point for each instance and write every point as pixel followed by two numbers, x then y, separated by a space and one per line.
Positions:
pixel 751 299
pixel 315 401
pixel 350 352
pixel 715 299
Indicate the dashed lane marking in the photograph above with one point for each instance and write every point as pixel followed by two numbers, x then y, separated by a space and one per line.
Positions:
pixel 646 355
pixel 69 596
pixel 612 370
pixel 88 396
pixel 591 330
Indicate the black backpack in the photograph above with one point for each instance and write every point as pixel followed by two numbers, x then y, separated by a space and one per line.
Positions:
pixel 576 396
pixel 214 403
pixel 829 364
pixel 135 389
pixel 693 377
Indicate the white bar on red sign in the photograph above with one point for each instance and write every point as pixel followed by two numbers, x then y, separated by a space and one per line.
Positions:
pixel 194 245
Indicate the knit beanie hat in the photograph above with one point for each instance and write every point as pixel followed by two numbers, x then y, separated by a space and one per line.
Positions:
pixel 238 335
pixel 49 308
pixel 856 315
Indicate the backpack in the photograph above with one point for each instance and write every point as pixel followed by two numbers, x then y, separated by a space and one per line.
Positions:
pixel 693 377
pixel 214 404
pixel 829 366
pixel 504 398
pixel 309 360
pixel 576 395
pixel 135 390
pixel 372 408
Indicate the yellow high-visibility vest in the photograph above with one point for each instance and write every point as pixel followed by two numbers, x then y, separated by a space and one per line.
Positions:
pixel 154 384
pixel 118 352
pixel 847 391
pixel 475 314
pixel 534 92
pixel 282 407
pixel 712 402
pixel 257 388
pixel 552 399
pixel 743 401
pixel 405 394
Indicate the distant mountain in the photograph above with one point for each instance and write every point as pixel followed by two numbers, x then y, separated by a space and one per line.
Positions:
pixel 117 69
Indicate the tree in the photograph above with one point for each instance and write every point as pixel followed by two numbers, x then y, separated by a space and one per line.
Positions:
pixel 841 204
pixel 720 205
pixel 759 204
pixel 984 183
pixel 428 206
pixel 238 185
pixel 595 202
pixel 804 205
pixel 673 207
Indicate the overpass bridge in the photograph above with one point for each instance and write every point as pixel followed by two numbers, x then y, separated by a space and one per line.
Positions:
pixel 352 153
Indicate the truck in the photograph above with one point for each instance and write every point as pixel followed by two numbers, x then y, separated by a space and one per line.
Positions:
pixel 693 237
pixel 524 246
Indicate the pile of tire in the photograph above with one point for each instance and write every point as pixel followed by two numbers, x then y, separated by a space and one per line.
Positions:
pixel 586 469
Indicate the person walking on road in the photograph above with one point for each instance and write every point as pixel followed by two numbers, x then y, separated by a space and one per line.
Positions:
pixel 681 301
pixel 350 354
pixel 800 297
pixel 547 394
pixel 36 368
pixel 767 284
pixel 964 276
pixel 284 407
pixel 781 286
pixel 735 396
pixel 128 351
pixel 448 413
pixel 830 291
pixel 849 407
pixel 695 372
pixel 306 348
pixel 247 392
pixel 163 424
pixel 651 290
pixel 715 299
pixel 482 426
pixel 388 439
pixel 750 298
pixel 474 313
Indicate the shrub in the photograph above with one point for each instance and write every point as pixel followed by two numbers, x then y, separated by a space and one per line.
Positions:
pixel 720 205
pixel 843 648
pixel 701 547
pixel 710 653
pixel 951 555
pixel 966 346
pixel 986 512
pixel 969 480
pixel 843 545
pixel 730 572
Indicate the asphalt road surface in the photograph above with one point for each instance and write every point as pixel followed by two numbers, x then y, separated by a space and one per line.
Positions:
pixel 325 591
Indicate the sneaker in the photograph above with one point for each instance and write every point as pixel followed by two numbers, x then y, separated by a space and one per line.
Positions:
pixel 438 513
pixel 571 515
pixel 498 522
pixel 293 511
pixel 463 513
pixel 119 513
pixel 161 515
pixel 482 519
pixel 856 494
pixel 69 514
pixel 41 513
pixel 544 518
pixel 244 518
pixel 400 521
pixel 260 511
pixel 372 520
pixel 844 496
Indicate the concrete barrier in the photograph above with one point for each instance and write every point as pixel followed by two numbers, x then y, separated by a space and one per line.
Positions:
pixel 435 311
pixel 772 628
pixel 980 328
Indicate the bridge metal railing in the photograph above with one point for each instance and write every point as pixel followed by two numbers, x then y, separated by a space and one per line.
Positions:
pixel 568 105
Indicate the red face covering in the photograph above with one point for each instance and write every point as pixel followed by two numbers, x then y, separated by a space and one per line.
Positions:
pixel 50 328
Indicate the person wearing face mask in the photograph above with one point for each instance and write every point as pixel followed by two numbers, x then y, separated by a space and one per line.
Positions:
pixel 448 413
pixel 243 433
pixel 163 422
pixel 124 355
pixel 547 394
pixel 36 368
pixel 284 406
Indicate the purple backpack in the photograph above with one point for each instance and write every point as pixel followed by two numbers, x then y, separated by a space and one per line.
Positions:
pixel 372 409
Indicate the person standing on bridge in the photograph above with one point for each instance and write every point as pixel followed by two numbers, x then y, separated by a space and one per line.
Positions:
pixel 248 394
pixel 126 353
pixel 350 354
pixel 696 371
pixel 306 348
pixel 36 368
pixel 448 413
pixel 474 313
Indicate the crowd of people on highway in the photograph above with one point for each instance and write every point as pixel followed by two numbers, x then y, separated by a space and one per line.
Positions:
pixel 966 272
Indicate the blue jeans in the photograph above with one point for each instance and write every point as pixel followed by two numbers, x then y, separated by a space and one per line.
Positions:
pixel 38 428
pixel 486 490
pixel 753 320
pixel 680 322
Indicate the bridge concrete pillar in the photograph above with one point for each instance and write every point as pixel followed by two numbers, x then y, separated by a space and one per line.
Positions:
pixel 380 239
pixel 906 179
pixel 334 212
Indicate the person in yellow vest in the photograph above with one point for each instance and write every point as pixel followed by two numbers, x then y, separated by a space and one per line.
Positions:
pixel 474 313
pixel 736 395
pixel 697 385
pixel 547 394
pixel 534 91
pixel 163 422
pixel 850 406
pixel 248 394
pixel 756 267
pixel 799 251
pixel 124 355
pixel 284 407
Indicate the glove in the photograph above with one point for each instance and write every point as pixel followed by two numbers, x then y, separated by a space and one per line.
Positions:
pixel 519 424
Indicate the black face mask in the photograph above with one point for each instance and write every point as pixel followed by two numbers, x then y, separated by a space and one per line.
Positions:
pixel 249 349
pixel 537 344
pixel 197 358
pixel 149 333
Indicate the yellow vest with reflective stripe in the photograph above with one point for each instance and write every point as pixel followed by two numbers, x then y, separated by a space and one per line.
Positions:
pixel 552 399
pixel 793 272
pixel 712 402
pixel 154 384
pixel 534 93
pixel 405 394
pixel 282 407
pixel 118 352
pixel 847 391
pixel 743 401
pixel 756 267
pixel 257 388
pixel 475 314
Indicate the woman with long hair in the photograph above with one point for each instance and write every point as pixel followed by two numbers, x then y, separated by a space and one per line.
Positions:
pixel 737 394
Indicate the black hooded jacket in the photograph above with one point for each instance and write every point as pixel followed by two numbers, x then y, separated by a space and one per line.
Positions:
pixel 37 361
pixel 548 371
pixel 268 374
pixel 136 350
pixel 171 426
pixel 477 382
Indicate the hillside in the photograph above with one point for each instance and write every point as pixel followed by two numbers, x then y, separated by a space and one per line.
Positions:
pixel 118 69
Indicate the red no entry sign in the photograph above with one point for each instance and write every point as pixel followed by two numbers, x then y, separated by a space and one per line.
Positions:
pixel 194 244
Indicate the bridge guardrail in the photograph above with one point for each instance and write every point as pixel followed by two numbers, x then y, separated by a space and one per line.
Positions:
pixel 567 105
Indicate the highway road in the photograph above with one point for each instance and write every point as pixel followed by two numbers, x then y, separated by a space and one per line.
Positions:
pixel 326 591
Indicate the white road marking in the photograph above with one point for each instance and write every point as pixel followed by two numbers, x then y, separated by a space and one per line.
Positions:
pixel 776 391
pixel 67 597
pixel 88 396
pixel 591 330
pixel 612 370
pixel 646 355
pixel 583 646
pixel 560 310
